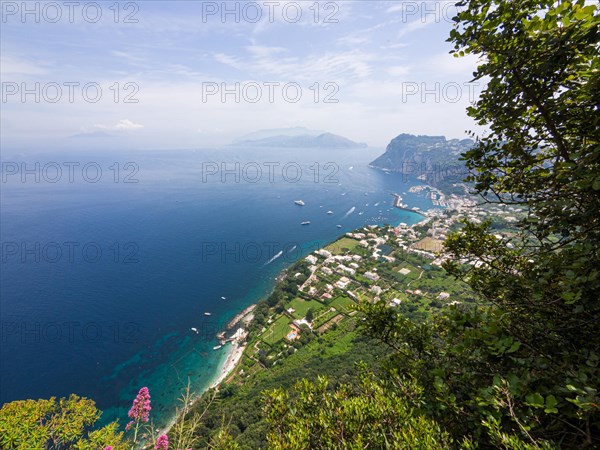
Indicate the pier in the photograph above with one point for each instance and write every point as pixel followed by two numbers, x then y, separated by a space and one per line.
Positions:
pixel 398 204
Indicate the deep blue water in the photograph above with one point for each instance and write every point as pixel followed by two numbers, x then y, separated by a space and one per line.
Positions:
pixel 172 244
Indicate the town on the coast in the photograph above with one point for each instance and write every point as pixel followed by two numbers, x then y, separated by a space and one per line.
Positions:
pixel 399 265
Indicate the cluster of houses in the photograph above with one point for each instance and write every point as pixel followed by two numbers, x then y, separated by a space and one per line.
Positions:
pixel 440 221
pixel 324 264
pixel 351 268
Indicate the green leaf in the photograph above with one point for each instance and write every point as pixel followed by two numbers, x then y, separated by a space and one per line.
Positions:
pixel 535 400
pixel 551 403
pixel 514 347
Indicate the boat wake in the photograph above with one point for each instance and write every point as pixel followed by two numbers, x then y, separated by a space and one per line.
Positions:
pixel 350 211
pixel 274 258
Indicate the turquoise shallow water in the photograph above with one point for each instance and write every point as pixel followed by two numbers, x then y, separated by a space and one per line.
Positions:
pixel 171 246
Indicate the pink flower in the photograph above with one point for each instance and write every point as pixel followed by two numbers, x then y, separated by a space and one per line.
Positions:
pixel 140 410
pixel 108 448
pixel 162 443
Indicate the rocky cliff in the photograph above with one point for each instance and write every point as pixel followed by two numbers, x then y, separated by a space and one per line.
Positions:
pixel 433 158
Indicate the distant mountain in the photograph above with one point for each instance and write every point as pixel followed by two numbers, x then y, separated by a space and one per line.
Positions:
pixel 433 157
pixel 264 134
pixel 322 140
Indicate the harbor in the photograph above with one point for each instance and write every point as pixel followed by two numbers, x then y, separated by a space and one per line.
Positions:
pixel 398 204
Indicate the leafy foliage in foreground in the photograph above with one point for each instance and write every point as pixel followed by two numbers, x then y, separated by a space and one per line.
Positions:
pixel 349 418
pixel 543 152
pixel 523 371
pixel 238 406
pixel 56 425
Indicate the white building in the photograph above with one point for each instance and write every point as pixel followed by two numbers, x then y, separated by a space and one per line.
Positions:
pixel 324 253
pixel 312 259
pixel 342 283
pixel 346 269
pixel 326 270
pixel 371 276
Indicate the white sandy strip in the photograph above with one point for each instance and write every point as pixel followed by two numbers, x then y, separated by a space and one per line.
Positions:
pixel 233 358
pixel 235 354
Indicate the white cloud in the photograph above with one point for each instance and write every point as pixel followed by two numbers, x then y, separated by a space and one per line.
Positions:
pixel 264 51
pixel 398 71
pixel 353 40
pixel 448 66
pixel 122 125
pixel 394 46
pixel 13 66
pixel 411 27
pixel 227 60
pixel 332 66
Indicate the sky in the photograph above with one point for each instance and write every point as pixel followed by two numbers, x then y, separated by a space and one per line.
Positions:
pixel 192 74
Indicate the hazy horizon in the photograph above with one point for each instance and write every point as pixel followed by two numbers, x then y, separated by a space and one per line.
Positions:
pixel 158 75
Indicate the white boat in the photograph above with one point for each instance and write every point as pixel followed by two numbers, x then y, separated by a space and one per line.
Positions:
pixel 207 314
pixel 299 202
pixel 305 223
pixel 223 298
pixel 195 330
pixel 217 347
pixel 339 226
pixel 329 212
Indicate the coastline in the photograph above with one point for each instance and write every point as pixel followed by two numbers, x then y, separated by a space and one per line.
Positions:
pixel 237 341
pixel 240 317
pixel 234 356
pixel 234 353
pixel 238 345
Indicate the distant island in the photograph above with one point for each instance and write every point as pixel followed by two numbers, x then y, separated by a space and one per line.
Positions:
pixel 431 158
pixel 297 137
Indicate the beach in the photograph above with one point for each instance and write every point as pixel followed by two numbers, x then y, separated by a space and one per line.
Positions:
pixel 234 355
pixel 233 358
pixel 238 344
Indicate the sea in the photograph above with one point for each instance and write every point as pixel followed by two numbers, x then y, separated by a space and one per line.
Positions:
pixel 109 259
